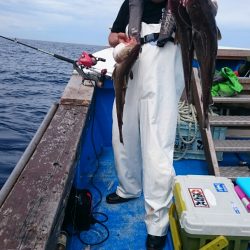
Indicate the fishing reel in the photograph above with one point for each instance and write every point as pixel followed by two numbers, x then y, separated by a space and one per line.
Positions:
pixel 84 67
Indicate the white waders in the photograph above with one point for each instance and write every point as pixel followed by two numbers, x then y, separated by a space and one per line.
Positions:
pixel 145 161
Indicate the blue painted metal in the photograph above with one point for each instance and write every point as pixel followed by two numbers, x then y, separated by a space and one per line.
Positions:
pixel 126 221
pixel 97 134
pixel 232 64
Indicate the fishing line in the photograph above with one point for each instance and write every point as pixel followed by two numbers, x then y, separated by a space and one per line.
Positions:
pixel 97 243
pixel 77 232
pixel 97 156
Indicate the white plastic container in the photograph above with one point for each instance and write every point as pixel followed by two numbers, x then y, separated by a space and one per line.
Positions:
pixel 207 206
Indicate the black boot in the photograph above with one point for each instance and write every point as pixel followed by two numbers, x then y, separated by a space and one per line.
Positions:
pixel 155 242
pixel 114 198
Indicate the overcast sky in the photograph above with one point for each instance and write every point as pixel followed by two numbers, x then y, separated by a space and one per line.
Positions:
pixel 88 21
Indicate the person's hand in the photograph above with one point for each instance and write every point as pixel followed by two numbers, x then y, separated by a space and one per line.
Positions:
pixel 123 38
pixel 116 38
pixel 132 40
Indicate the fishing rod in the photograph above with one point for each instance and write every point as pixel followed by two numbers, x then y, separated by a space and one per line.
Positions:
pixel 86 61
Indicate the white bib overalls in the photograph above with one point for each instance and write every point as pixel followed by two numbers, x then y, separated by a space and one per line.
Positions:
pixel 145 160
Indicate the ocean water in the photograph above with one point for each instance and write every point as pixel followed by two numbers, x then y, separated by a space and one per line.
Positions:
pixel 30 82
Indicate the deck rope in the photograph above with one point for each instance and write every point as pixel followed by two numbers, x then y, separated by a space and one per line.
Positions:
pixel 187 115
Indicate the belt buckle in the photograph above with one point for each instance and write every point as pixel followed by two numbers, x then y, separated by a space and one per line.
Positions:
pixel 149 38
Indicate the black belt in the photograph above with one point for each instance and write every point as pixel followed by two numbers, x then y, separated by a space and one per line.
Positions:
pixel 153 38
pixel 150 38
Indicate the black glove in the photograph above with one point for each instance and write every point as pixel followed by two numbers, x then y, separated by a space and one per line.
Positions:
pixel 135 17
pixel 167 29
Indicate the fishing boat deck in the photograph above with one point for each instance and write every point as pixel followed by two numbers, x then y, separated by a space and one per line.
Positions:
pixel 86 160
pixel 125 221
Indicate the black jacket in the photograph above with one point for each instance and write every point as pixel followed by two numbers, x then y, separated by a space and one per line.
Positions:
pixel 152 13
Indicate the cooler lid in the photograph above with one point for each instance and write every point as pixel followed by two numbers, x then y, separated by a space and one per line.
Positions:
pixel 208 205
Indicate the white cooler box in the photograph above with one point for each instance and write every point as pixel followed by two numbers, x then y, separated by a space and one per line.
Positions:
pixel 208 207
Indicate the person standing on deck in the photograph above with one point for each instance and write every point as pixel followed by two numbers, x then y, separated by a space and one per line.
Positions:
pixel 145 160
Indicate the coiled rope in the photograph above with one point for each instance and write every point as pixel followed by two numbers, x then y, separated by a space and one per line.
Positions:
pixel 187 116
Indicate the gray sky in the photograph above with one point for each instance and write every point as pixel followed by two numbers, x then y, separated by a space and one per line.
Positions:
pixel 88 21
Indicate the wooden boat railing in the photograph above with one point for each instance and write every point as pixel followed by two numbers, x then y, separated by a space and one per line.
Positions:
pixel 32 211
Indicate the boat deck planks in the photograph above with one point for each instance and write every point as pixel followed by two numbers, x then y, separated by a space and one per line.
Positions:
pixel 32 213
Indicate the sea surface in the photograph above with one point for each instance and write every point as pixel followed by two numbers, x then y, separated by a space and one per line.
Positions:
pixel 30 82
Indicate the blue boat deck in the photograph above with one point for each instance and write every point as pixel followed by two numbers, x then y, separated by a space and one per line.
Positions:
pixel 96 165
pixel 125 221
pixel 83 117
